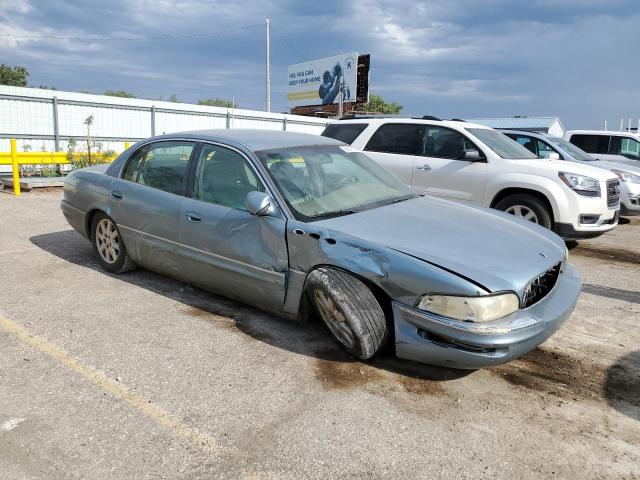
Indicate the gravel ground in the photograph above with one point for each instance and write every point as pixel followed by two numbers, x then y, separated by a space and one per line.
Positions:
pixel 139 376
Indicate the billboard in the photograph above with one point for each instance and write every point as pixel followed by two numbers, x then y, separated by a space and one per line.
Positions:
pixel 318 82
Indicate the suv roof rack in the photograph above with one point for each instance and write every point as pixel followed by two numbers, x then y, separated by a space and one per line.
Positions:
pixel 353 116
pixel 428 117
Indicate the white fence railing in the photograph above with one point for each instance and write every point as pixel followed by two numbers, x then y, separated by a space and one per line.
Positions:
pixel 47 119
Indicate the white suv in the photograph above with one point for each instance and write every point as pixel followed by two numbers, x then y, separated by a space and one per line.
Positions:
pixel 621 147
pixel 475 164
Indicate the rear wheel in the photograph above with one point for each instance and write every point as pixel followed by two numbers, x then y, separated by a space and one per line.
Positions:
pixel 350 311
pixel 109 245
pixel 526 207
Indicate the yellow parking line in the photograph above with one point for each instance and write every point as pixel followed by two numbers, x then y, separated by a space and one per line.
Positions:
pixel 154 412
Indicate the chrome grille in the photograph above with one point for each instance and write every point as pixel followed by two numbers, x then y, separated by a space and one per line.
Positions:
pixel 540 286
pixel 613 193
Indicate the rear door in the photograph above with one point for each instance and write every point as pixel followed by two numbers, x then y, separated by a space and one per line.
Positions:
pixel 145 203
pixel 442 171
pixel 223 247
pixel 397 147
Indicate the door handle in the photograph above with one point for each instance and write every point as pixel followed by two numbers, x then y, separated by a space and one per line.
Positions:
pixel 424 167
pixel 193 217
pixel 116 195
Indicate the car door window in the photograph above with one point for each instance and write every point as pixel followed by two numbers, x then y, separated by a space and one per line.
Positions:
pixel 405 139
pixel 526 141
pixel 591 143
pixel 544 150
pixel 133 166
pixel 445 143
pixel 630 148
pixel 224 177
pixel 164 166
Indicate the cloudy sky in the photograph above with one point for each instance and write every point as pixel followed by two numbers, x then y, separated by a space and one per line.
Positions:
pixel 578 59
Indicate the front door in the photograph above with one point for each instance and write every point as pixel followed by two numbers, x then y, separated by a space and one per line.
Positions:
pixel 223 247
pixel 145 203
pixel 442 170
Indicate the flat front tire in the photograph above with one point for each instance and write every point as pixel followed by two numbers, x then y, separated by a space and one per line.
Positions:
pixel 109 245
pixel 349 309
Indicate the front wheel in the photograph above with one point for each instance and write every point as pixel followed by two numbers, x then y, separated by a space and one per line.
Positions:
pixel 350 311
pixel 526 207
pixel 109 245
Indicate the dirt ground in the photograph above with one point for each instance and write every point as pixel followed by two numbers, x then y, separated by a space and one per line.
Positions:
pixel 139 376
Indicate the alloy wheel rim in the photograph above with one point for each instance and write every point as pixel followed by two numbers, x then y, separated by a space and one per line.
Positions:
pixel 108 241
pixel 524 212
pixel 334 318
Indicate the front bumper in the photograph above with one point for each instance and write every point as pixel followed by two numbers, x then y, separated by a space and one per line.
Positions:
pixel 629 198
pixel 429 338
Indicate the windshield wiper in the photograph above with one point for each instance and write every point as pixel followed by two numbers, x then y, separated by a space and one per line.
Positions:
pixel 401 199
pixel 335 213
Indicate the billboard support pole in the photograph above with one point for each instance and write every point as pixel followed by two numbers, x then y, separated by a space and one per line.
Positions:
pixel 341 93
pixel 268 70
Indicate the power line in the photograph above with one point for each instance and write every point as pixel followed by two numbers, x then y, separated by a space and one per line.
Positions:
pixel 108 39
pixel 286 42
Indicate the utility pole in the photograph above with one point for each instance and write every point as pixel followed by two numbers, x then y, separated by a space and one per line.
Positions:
pixel 268 70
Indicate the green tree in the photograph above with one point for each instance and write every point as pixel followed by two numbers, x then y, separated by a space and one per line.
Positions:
pixel 16 76
pixel 173 98
pixel 379 105
pixel 119 93
pixel 216 102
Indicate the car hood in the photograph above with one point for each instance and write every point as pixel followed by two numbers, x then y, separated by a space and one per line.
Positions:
pixel 493 249
pixel 627 167
pixel 552 167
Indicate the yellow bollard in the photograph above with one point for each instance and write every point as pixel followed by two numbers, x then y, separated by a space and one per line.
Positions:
pixel 15 169
pixel 126 145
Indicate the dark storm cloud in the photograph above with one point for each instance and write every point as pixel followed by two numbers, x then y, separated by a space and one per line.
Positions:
pixel 576 59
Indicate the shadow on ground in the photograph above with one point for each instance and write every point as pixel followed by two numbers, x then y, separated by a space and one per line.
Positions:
pixel 334 366
pixel 622 385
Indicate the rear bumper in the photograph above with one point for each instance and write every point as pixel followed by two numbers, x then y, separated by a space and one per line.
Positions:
pixel 428 338
pixel 75 217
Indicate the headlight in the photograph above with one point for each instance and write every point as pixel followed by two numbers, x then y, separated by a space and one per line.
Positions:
pixel 470 309
pixel 587 186
pixel 627 177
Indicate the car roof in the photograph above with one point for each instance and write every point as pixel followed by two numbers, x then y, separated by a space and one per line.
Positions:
pixel 253 139
pixel 603 132
pixel 520 132
pixel 382 120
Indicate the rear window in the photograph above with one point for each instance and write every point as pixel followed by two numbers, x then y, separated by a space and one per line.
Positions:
pixel 346 132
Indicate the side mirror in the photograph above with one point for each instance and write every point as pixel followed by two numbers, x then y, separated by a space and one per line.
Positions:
pixel 554 156
pixel 472 155
pixel 259 203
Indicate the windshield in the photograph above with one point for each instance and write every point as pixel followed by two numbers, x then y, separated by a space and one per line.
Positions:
pixel 570 148
pixel 329 180
pixel 502 145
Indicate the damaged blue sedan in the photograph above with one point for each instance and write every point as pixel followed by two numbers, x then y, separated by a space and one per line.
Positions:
pixel 297 224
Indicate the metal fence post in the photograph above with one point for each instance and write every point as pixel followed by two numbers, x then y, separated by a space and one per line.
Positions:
pixel 153 120
pixel 56 132
pixel 284 124
pixel 15 168
pixel 228 119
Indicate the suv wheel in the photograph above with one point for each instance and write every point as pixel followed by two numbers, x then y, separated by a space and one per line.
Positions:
pixel 527 207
